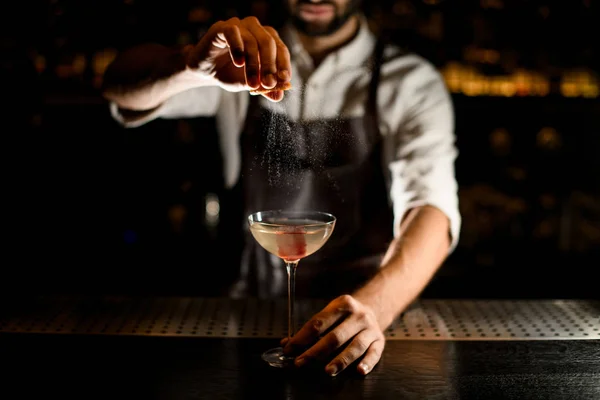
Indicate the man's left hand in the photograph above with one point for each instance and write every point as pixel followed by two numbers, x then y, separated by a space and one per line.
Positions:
pixel 344 324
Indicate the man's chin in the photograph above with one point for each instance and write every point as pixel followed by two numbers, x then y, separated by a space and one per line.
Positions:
pixel 313 29
pixel 316 29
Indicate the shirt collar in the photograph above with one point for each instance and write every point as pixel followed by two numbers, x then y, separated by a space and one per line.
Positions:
pixel 354 53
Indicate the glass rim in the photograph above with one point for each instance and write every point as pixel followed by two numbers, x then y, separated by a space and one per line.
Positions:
pixel 330 217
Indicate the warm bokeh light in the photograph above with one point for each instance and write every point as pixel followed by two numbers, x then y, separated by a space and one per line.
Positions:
pixel 468 80
pixel 579 82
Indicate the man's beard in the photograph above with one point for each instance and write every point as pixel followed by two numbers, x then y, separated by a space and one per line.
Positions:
pixel 310 29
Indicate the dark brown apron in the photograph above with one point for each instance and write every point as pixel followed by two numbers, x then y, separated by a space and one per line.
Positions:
pixel 332 165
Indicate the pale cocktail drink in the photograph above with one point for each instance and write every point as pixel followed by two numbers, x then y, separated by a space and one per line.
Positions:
pixel 291 236
pixel 291 239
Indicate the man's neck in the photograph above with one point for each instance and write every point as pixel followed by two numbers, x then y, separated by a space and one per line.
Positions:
pixel 318 47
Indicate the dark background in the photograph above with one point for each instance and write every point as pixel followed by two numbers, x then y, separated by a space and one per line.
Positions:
pixel 91 206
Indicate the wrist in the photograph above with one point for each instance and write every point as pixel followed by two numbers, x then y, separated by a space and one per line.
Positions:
pixel 375 295
pixel 193 77
pixel 190 71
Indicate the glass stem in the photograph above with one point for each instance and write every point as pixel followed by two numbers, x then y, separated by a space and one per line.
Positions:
pixel 291 273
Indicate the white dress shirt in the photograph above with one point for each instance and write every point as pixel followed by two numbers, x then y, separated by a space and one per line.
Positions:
pixel 415 115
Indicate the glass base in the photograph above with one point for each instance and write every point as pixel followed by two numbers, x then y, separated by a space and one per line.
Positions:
pixel 276 358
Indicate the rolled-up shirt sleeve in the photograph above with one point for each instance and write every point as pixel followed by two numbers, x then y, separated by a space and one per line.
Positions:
pixel 423 171
pixel 192 103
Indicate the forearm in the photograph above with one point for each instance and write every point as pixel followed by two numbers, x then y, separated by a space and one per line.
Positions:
pixel 143 77
pixel 411 261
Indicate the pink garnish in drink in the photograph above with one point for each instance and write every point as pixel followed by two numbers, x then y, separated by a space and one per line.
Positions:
pixel 291 243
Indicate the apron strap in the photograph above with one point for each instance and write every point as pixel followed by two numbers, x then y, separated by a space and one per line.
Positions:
pixel 372 111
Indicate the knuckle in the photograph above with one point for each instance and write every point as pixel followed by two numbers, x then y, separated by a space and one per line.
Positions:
pixel 316 325
pixel 377 348
pixel 269 30
pixel 360 345
pixel 345 299
pixel 268 67
pixel 344 360
pixel 229 29
pixel 218 26
pixel 252 20
pixel 335 339
pixel 371 320
pixel 376 351
pixel 281 49
pixel 349 303
pixel 362 316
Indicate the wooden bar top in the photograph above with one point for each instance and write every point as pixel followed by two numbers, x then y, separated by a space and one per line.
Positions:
pixel 134 367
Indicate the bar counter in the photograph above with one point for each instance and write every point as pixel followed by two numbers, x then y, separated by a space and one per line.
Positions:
pixel 210 348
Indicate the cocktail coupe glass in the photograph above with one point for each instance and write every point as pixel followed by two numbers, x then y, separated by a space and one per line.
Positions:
pixel 291 236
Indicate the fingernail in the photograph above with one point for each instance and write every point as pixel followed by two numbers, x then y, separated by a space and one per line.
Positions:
pixel 269 80
pixel 364 368
pixel 332 369
pixel 300 361
pixel 284 341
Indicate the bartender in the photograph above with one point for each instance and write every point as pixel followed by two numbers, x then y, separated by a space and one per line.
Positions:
pixel 319 115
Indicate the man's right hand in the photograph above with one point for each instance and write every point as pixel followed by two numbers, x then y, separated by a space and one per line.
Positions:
pixel 242 55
